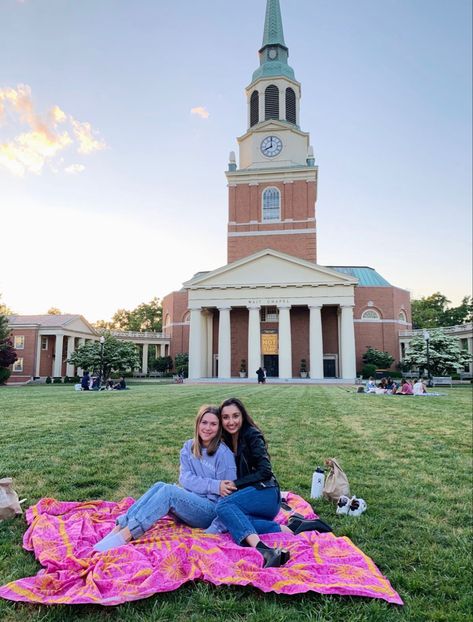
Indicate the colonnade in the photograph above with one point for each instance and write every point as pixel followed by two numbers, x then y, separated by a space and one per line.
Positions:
pixel 200 342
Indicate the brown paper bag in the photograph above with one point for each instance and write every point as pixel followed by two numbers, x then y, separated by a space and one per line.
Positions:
pixel 336 482
pixel 9 502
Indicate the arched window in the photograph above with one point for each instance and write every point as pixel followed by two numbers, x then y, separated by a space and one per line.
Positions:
pixel 370 314
pixel 402 316
pixel 271 102
pixel 291 106
pixel 254 108
pixel 271 204
pixel 187 317
pixel 167 320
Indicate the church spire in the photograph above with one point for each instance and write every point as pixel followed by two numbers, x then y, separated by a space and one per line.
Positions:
pixel 274 53
pixel 273 31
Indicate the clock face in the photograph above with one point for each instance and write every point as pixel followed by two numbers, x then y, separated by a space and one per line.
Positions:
pixel 271 146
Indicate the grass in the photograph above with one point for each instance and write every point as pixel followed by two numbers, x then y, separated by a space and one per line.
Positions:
pixel 409 458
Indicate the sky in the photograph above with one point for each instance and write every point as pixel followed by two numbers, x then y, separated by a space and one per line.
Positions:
pixel 117 118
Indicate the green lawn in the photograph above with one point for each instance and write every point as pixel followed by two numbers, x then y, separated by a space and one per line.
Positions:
pixel 409 458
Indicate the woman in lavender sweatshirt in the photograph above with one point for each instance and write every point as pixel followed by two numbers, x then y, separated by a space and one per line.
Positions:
pixel 207 472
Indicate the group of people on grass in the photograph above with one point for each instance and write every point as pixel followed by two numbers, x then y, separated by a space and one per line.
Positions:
pixel 390 387
pixel 226 484
pixel 93 383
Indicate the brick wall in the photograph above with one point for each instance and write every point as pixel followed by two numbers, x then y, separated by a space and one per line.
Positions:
pixel 28 354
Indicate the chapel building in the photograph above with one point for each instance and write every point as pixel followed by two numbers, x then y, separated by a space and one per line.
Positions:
pixel 272 304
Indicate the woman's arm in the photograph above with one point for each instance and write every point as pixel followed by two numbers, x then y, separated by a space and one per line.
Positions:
pixel 261 469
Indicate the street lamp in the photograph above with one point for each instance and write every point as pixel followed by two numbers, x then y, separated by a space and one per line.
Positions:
pixel 427 341
pixel 102 341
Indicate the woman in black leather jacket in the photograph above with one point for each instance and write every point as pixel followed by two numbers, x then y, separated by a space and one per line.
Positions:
pixel 255 501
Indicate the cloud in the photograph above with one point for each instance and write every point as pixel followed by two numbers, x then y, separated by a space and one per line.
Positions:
pixel 201 111
pixel 39 146
pixel 74 169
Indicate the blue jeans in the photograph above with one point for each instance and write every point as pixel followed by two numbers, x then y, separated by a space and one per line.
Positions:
pixel 161 499
pixel 250 510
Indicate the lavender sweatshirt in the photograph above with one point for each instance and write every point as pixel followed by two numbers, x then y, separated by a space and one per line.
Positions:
pixel 202 476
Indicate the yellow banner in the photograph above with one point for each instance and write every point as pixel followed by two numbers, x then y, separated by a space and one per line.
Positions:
pixel 269 343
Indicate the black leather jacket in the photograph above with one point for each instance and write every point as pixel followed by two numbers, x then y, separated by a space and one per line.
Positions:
pixel 252 460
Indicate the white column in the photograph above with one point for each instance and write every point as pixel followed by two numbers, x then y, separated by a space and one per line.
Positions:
pixel 224 344
pixel 470 350
pixel 316 350
pixel 285 343
pixel 195 345
pixel 162 349
pixel 254 341
pixel 347 339
pixel 261 106
pixel 70 350
pixel 80 371
pixel 282 104
pixel 37 366
pixel 144 359
pixel 57 369
pixel 209 333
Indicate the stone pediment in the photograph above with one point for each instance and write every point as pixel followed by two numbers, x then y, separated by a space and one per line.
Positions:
pixel 269 267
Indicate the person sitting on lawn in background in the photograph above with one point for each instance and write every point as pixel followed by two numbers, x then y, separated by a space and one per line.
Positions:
pixel 84 383
pixel 207 471
pixel 391 386
pixel 370 385
pixel 121 385
pixel 406 387
pixel 419 387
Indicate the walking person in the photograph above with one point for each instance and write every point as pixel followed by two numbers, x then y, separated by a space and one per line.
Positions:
pixel 207 471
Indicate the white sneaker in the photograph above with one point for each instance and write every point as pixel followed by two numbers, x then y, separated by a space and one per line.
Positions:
pixel 343 504
pixel 357 507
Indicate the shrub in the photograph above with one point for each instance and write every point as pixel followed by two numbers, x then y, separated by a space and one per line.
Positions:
pixel 381 360
pixel 48 380
pixel 4 374
pixel 368 370
pixel 66 380
pixel 57 380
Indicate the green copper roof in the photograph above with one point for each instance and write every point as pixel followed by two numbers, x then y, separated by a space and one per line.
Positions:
pixel 367 277
pixel 273 37
pixel 273 32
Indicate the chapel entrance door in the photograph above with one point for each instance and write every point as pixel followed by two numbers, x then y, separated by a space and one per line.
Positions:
pixel 271 364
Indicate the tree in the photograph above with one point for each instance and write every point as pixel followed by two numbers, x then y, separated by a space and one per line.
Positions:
pixel 163 364
pixel 181 363
pixel 54 311
pixel 433 312
pixel 446 356
pixel 7 352
pixel 118 356
pixel 382 360
pixel 4 310
pixel 146 317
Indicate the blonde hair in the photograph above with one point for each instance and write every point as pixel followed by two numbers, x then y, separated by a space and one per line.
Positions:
pixel 215 442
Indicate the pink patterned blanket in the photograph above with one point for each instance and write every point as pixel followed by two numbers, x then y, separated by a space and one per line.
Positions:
pixel 62 534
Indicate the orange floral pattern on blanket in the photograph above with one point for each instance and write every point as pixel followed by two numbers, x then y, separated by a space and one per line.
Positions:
pixel 62 534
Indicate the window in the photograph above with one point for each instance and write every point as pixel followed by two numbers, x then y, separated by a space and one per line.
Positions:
pixel 18 365
pixel 464 344
pixel 167 320
pixel 187 318
pixel 290 106
pixel 44 343
pixel 271 204
pixel 271 102
pixel 269 314
pixel 402 316
pixel 254 108
pixel 19 342
pixel 370 314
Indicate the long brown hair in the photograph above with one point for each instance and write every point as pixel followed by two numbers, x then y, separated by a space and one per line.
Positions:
pixel 247 419
pixel 215 442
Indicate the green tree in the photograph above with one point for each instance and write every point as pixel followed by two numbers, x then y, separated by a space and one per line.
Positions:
pixel 7 352
pixel 181 363
pixel 163 364
pixel 118 356
pixel 382 360
pixel 146 317
pixel 446 356
pixel 433 311
pixel 4 310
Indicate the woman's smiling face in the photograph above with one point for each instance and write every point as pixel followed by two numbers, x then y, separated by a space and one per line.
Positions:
pixel 208 428
pixel 232 419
